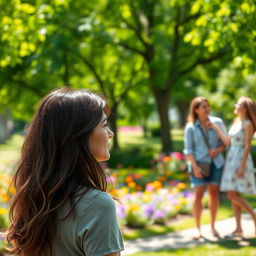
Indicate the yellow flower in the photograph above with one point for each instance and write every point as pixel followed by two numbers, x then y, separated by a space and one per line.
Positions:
pixel 175 190
pixel 12 190
pixel 132 184
pixel 181 185
pixel 133 208
pixel 146 197
pixel 157 184
pixel 5 197
pixel 183 200
pixel 177 206
pixel 3 211
pixel 123 191
pixel 114 192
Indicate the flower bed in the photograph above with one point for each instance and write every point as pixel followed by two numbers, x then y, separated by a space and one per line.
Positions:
pixel 155 197
pixel 139 209
pixel 147 197
pixel 5 180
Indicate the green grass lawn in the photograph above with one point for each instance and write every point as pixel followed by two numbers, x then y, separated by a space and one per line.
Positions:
pixel 136 139
pixel 245 247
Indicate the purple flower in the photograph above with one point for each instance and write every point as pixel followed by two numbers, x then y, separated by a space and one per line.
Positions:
pixel 111 179
pixel 188 194
pixel 120 211
pixel 148 209
pixel 2 236
pixel 158 214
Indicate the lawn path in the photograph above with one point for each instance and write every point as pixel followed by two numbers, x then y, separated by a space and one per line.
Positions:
pixel 183 239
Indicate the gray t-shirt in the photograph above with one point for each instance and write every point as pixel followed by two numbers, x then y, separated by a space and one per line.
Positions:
pixel 93 231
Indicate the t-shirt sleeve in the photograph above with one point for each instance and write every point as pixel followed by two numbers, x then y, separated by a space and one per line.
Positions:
pixel 101 235
pixel 188 139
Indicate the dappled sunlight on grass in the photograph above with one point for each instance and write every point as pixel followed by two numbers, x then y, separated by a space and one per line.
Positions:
pixel 128 139
pixel 245 247
pixel 153 230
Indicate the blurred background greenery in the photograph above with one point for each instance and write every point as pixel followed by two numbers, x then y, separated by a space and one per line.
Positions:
pixel 148 57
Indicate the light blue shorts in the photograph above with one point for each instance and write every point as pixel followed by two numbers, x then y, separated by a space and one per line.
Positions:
pixel 214 177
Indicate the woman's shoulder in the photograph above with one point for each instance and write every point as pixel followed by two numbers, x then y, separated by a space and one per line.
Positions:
pixel 246 122
pixel 95 198
pixel 215 119
pixel 189 125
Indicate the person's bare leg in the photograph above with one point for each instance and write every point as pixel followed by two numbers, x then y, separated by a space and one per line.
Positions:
pixel 242 203
pixel 197 208
pixel 213 205
pixel 237 212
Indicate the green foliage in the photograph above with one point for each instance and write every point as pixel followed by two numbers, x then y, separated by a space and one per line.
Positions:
pixel 134 220
pixel 230 85
pixel 4 222
pixel 133 157
pixel 155 130
pixel 153 48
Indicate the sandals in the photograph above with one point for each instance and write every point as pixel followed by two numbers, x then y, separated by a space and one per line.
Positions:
pixel 197 236
pixel 234 234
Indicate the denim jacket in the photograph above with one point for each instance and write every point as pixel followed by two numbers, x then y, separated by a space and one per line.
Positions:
pixel 194 142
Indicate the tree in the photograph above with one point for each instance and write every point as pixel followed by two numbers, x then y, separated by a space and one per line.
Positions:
pixel 62 43
pixel 175 37
pixel 116 45
pixel 115 75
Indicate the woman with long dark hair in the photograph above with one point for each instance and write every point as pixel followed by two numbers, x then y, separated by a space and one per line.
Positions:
pixel 238 173
pixel 61 207
pixel 203 150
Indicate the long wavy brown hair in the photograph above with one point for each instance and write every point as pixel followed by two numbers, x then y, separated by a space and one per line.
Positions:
pixel 250 106
pixel 56 165
pixel 195 103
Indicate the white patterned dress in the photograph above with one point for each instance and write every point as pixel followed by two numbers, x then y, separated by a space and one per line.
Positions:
pixel 229 181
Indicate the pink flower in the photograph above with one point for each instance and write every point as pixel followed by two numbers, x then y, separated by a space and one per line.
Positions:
pixel 150 187
pixel 178 155
pixel 111 179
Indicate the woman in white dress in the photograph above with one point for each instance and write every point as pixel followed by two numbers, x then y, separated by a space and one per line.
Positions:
pixel 238 174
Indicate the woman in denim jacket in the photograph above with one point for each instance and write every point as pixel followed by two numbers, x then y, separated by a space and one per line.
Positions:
pixel 197 132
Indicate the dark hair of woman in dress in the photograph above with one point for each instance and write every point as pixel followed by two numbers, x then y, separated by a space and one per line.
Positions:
pixel 250 106
pixel 56 164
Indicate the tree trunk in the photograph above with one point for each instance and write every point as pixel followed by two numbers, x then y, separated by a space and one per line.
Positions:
pixel 113 124
pixel 183 111
pixel 162 98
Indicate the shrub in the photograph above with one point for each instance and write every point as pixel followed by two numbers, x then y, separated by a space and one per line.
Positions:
pixel 136 157
pixel 155 131
pixel 174 162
